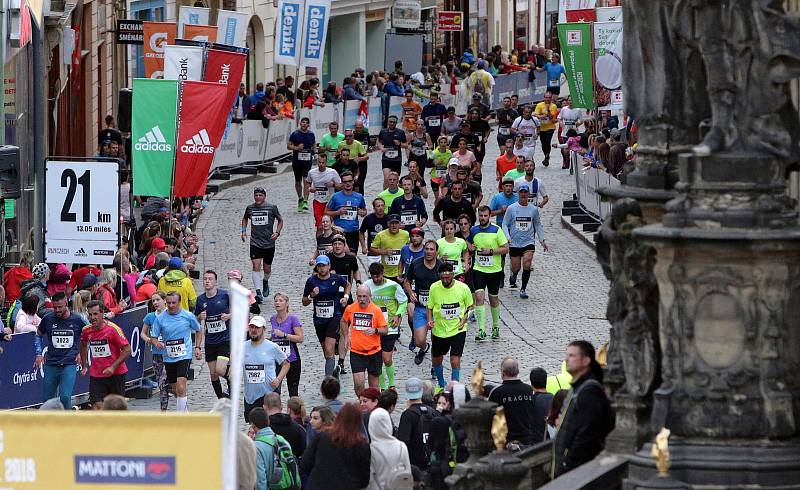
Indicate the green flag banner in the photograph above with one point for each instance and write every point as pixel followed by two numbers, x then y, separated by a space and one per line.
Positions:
pixel 153 135
pixel 576 46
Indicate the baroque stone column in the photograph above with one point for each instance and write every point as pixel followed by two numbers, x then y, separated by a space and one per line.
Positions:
pixel 728 271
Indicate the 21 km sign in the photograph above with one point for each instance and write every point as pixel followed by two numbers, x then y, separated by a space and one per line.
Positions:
pixel 82 211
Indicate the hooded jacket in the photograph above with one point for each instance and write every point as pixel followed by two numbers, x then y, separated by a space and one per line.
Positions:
pixel 387 452
pixel 283 425
pixel 59 277
pixel 39 288
pixel 13 280
pixel 176 280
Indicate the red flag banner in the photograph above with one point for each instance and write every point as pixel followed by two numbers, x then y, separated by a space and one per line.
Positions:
pixel 581 15
pixel 225 67
pixel 201 121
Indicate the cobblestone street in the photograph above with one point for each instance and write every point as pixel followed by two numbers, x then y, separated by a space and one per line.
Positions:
pixel 568 290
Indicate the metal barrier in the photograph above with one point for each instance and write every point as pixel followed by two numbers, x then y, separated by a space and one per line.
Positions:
pixel 587 181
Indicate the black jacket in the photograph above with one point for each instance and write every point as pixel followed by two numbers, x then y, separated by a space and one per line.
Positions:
pixel 330 467
pixel 283 425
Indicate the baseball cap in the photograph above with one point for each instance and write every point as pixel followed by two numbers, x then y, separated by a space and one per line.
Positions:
pixel 338 238
pixel 158 243
pixel 175 263
pixel 322 259
pixel 40 270
pixel 523 187
pixel 235 274
pixel 393 217
pixel 417 231
pixel 508 179
pixel 413 389
pixel 453 161
pixel 89 280
pixel 258 321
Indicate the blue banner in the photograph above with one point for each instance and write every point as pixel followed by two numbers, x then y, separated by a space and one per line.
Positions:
pixel 315 28
pixel 21 384
pixel 287 32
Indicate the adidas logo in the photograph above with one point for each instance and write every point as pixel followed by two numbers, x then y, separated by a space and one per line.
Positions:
pixel 153 140
pixel 80 252
pixel 199 143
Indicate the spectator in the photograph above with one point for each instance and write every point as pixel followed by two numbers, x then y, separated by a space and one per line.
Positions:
pixel 331 94
pixel 157 245
pixel 176 279
pixel 106 294
pixel 283 425
pixel 389 463
pixel 81 299
pixel 264 438
pixel 368 401
pixel 258 95
pixel 330 390
pixel 388 401
pixel 242 104
pixel 58 280
pixel 37 286
pixel 444 403
pixel 516 398
pixel 245 462
pixel 554 413
pixel 394 87
pixel 115 402
pixel 297 410
pixel 541 404
pixel 321 420
pixel 415 423
pixel 442 456
pixel 587 417
pixel 350 92
pixel 339 459
pixel 110 132
pixel 27 319
pixel 15 276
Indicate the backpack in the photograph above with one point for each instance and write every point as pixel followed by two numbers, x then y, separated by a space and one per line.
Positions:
pixel 286 471
pixel 478 86
pixel 426 414
pixel 400 477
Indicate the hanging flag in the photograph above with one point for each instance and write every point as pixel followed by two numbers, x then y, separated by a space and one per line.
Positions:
pixel 153 135
pixel 608 65
pixel 156 36
pixel 363 112
pixel 288 30
pixel 315 29
pixel 227 68
pixel 232 28
pixel 183 62
pixel 191 16
pixel 200 33
pixel 581 15
pixel 565 5
pixel 201 121
pixel 576 45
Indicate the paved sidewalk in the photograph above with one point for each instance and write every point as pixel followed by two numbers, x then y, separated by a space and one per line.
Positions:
pixel 568 290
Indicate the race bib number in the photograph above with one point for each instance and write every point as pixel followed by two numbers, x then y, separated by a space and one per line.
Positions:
pixel 216 326
pixel 260 220
pixel 504 131
pixel 452 262
pixel 467 197
pixel 175 348
pixel 62 339
pixel 408 218
pixel 440 172
pixel 324 309
pixel 392 154
pixel 304 156
pixel 418 151
pixel 321 194
pixel 322 250
pixel 523 223
pixel 393 259
pixel 528 138
pixel 434 122
pixel 100 348
pixel 451 311
pixel 553 83
pixel 285 346
pixel 350 213
pixel 254 374
pixel 422 297
pixel 485 260
pixel 362 321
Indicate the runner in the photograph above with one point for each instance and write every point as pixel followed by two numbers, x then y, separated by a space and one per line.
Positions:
pixel 473 193
pixel 373 223
pixel 502 200
pixel 454 205
pixel 390 141
pixel 522 225
pixel 262 216
pixel 481 130
pixel 358 152
pixel 451 123
pixel 534 185
pixel 547 112
pixel 323 289
pixel 324 181
pixel 388 245
pixel 419 188
pixel 453 250
pixel 344 264
pixel 409 207
pixel 527 126
pixel 387 295
pixel 324 240
pixel 260 359
pixel 287 332
pixel 213 310
pixel 465 133
pixel 522 152
pixel 420 274
pixel 301 143
pixel 568 118
pixel 345 164
pixel 329 144
pixel 61 331
pixel 433 114
pixel 110 349
pixel 411 111
pixel 441 156
pixel 364 325
pixel 410 252
pixel 490 243
pixel 519 166
pixel 392 191
pixel 158 303
pixel 505 162
pixel 449 304
pixel 346 206
pixel 505 118
pixel 466 158
pixel 419 144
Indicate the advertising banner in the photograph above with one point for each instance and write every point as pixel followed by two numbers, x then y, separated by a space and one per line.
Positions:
pixel 278 135
pixel 449 20
pixel 406 14
pixel 21 385
pixel 518 83
pixel 565 5
pixel 608 14
pixel 575 39
pixel 191 16
pixel 232 28
pixel 227 68
pixel 129 32
pixel 153 121
pixel 375 115
pixel 81 211
pixel 156 36
pixel 288 31
pixel 201 121
pixel 315 29
pixel 201 33
pixel 183 62
pixel 608 65
pixel 581 15
pixel 115 452
pixel 244 142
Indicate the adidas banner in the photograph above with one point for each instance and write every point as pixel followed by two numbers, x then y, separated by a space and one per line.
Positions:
pixel 288 32
pixel 183 62
pixel 203 113
pixel 153 135
pixel 227 68
pixel 207 34
pixel 156 35
pixel 315 29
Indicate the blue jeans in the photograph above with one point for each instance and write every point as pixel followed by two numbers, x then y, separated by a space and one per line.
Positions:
pixel 61 378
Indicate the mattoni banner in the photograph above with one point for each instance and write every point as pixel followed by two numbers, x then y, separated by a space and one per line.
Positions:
pixel 156 36
pixel 200 33
pixel 576 45
pixel 288 29
pixel 315 29
pixel 153 135
pixel 183 62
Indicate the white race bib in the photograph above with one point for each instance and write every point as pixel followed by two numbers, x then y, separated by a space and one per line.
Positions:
pixel 216 326
pixel 304 156
pixel 62 339
pixel 451 311
pixel 422 297
pixel 324 309
pixel 503 131
pixel 523 223
pixel 175 348
pixel 260 220
pixel 485 260
pixel 321 194
pixel 440 172
pixel 393 259
pixel 391 154
pixel 553 83
pixel 285 346
pixel 408 218
pixel 350 214
pixel 434 122
pixel 100 348
pixel 418 151
pixel 254 374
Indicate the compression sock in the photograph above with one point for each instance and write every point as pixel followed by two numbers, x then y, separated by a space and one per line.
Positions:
pixel 257 277
pixel 382 378
pixel 480 314
pixel 495 316
pixel 265 281
pixel 390 374
pixel 183 404
pixel 330 362
pixel 439 372
pixel 526 276
pixel 456 374
pixel 217 384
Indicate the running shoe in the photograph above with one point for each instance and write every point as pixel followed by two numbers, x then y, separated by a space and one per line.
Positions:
pixel 512 281
pixel 481 335
pixel 412 346
pixel 421 354
pixel 305 205
pixel 546 161
pixel 265 288
pixel 523 294
pixel 438 390
pixel 337 370
pixel 299 205
pixel 342 369
pixel 495 333
pixel 259 298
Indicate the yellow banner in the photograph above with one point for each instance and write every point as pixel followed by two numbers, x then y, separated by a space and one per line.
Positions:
pixel 110 450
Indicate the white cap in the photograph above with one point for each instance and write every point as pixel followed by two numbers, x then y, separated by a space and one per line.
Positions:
pixel 258 321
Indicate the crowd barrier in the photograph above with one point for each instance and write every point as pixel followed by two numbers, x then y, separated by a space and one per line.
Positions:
pixel 587 181
pixel 21 384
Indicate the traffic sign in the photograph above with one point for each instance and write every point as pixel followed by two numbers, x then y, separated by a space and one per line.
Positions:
pixel 82 211
pixel 450 20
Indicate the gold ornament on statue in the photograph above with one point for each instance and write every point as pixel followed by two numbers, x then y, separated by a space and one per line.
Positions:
pixel 499 429
pixel 477 380
pixel 660 451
